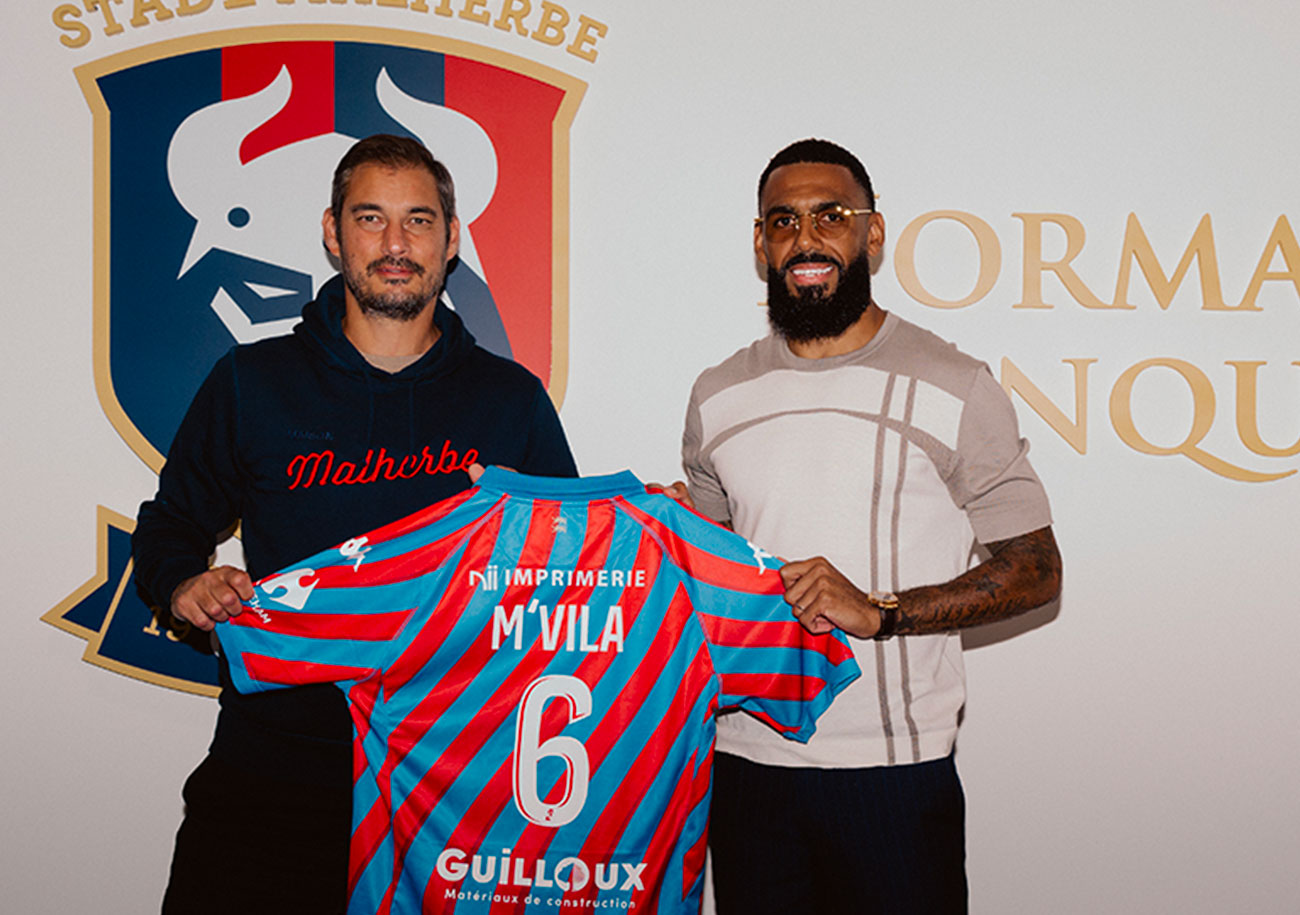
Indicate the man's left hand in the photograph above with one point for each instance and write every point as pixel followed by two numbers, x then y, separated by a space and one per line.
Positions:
pixel 476 470
pixel 823 599
pixel 676 491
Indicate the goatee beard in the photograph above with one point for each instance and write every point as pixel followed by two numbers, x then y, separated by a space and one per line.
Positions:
pixel 396 304
pixel 812 313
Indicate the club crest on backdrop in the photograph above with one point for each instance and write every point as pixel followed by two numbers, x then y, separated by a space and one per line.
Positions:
pixel 213 162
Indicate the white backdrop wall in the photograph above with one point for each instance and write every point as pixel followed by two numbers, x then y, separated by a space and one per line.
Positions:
pixel 1128 750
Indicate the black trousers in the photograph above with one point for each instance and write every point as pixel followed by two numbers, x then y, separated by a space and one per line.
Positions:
pixel 887 839
pixel 253 845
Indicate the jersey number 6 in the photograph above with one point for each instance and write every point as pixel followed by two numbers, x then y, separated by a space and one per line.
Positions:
pixel 530 750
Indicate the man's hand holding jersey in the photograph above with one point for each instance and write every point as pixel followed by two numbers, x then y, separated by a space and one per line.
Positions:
pixel 823 599
pixel 211 597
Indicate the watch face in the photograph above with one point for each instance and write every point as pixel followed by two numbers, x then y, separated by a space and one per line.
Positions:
pixel 883 598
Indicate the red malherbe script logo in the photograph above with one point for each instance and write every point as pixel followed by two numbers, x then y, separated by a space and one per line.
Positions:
pixel 318 467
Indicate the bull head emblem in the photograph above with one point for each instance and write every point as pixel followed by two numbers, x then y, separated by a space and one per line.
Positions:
pixel 266 213
pixel 291 588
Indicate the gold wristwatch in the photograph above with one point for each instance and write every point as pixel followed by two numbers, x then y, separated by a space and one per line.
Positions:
pixel 887 603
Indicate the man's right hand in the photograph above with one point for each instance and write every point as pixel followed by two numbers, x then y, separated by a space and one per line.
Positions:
pixel 212 597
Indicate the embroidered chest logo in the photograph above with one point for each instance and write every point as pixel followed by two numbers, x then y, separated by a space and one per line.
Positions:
pixel 325 468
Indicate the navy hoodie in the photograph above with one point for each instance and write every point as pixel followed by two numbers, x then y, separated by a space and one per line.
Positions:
pixel 305 444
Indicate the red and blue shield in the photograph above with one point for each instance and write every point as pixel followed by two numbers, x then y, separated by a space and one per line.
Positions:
pixel 214 158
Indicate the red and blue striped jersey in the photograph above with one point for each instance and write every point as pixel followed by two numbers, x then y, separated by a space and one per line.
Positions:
pixel 533 668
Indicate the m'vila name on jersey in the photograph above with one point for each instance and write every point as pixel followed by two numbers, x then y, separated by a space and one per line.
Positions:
pixel 567 627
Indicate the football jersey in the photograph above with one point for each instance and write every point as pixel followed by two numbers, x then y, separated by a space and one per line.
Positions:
pixel 533 668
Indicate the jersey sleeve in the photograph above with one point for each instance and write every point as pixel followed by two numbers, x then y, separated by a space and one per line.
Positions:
pixel 770 666
pixel 341 615
pixel 766 662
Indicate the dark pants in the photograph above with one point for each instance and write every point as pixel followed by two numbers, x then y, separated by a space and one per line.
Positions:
pixel 889 839
pixel 252 845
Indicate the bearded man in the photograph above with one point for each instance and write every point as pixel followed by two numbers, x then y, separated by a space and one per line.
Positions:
pixel 857 438
pixel 374 407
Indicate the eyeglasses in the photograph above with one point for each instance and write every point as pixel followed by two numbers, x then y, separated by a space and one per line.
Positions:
pixel 829 222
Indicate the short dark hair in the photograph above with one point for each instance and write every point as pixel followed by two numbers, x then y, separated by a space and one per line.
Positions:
pixel 822 151
pixel 392 152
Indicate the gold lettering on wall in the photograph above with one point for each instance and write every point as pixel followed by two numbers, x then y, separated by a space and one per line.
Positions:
pixel 584 43
pixel 1280 239
pixel 1203 409
pixel 550 30
pixel 66 17
pixel 1074 432
pixel 474 11
pixel 1138 247
pixel 1248 410
pixel 990 258
pixel 142 7
pixel 1034 266
pixel 550 23
pixel 513 11
pixel 111 25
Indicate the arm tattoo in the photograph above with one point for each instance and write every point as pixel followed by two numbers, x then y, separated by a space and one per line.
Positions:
pixel 1022 573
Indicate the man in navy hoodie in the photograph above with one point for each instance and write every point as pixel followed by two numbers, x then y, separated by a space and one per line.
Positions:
pixel 375 406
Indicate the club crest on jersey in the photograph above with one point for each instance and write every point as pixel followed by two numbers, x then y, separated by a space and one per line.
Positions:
pixel 213 163
pixel 291 588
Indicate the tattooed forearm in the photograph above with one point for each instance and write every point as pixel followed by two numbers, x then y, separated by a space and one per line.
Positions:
pixel 1021 574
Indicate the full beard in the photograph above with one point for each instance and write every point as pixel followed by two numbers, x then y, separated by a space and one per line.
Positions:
pixel 397 303
pixel 812 313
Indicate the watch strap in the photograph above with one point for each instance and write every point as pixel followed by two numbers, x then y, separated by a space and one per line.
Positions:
pixel 887 605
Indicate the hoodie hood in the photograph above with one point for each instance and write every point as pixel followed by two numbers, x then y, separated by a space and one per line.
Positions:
pixel 321 331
